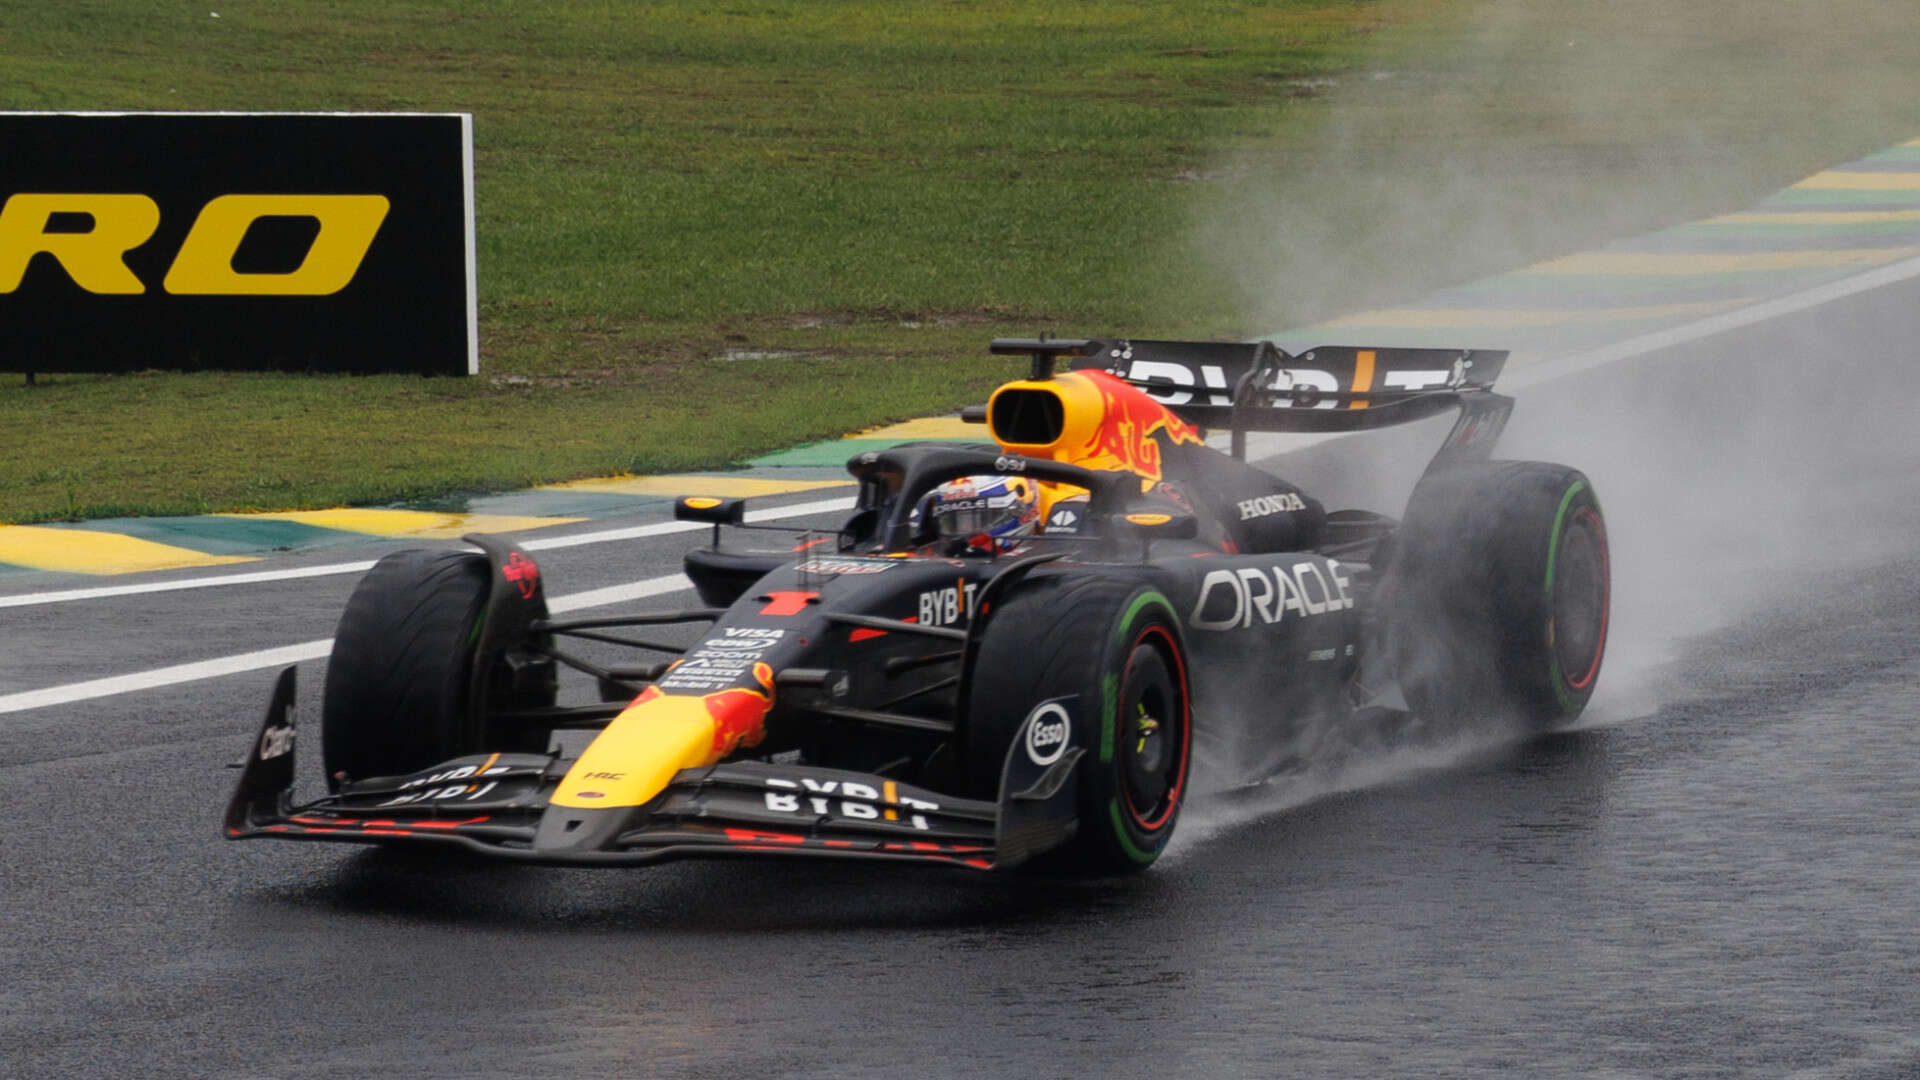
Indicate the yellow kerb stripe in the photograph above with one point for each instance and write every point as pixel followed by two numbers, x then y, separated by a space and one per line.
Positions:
pixel 932 427
pixel 80 551
pixel 727 487
pixel 1815 217
pixel 1709 263
pixel 1862 181
pixel 416 523
pixel 1430 318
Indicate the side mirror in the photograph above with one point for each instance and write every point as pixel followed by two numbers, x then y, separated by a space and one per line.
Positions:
pixel 709 509
pixel 1154 525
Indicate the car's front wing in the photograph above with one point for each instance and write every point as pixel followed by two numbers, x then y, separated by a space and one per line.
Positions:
pixel 497 805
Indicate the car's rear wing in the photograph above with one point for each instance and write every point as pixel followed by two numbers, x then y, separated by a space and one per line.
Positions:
pixel 1256 386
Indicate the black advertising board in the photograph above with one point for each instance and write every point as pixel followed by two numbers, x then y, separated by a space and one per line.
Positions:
pixel 326 242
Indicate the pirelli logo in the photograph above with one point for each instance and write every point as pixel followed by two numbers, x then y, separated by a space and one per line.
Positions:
pixel 96 258
pixel 306 242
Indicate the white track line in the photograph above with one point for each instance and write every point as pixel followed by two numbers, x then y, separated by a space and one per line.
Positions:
pixel 1534 374
pixel 604 536
pixel 293 654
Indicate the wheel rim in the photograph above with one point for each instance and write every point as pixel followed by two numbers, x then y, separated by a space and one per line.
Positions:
pixel 1579 601
pixel 1153 731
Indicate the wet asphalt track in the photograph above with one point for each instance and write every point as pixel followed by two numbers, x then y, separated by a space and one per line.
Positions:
pixel 1718 875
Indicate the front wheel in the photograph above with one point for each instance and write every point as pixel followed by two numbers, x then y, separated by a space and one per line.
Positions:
pixel 1110 655
pixel 399 683
pixel 1498 592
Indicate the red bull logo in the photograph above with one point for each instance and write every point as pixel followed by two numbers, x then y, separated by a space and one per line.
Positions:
pixel 523 573
pixel 1129 420
pixel 740 714
pixel 663 732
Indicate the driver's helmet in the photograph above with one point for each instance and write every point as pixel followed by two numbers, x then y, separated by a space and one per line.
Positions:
pixel 986 513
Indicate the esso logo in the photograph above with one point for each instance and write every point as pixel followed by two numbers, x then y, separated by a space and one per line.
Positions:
pixel 1049 730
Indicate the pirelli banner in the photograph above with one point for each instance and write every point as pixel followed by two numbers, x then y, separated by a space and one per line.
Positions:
pixel 326 242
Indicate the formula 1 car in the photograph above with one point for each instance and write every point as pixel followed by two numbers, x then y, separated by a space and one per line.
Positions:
pixel 1006 654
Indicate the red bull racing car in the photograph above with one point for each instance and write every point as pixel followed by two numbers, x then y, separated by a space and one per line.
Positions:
pixel 1007 653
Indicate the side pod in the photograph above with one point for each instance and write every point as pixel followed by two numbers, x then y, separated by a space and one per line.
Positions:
pixel 266 777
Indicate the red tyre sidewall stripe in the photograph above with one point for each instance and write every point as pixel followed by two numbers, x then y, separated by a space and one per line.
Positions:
pixel 1170 653
pixel 1588 515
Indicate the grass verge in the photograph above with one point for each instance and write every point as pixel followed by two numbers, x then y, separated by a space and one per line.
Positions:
pixel 878 189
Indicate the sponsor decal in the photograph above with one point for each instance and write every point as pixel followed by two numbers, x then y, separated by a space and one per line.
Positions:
pixel 847 799
pixel 1305 383
pixel 440 786
pixel 1049 731
pixel 788 602
pixel 1480 429
pixel 523 572
pixel 701 502
pixel 705 669
pixel 441 794
pixel 1149 520
pixel 461 773
pixel 95 260
pixel 738 712
pixel 1233 599
pixel 945 507
pixel 1125 439
pixel 303 242
pixel 1009 464
pixel 276 742
pixel 722 662
pixel 848 565
pixel 1268 505
pixel 1066 517
pixel 944 607
pixel 1211 376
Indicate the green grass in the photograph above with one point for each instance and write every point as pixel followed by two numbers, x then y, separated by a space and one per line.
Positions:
pixel 882 187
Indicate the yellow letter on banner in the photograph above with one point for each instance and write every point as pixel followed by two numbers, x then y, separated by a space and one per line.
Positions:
pixel 92 259
pixel 348 223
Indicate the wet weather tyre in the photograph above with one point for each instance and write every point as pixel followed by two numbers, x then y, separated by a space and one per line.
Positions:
pixel 398 690
pixel 1114 651
pixel 1498 593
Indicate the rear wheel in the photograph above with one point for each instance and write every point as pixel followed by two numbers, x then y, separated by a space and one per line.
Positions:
pixel 1498 593
pixel 399 682
pixel 1111 655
